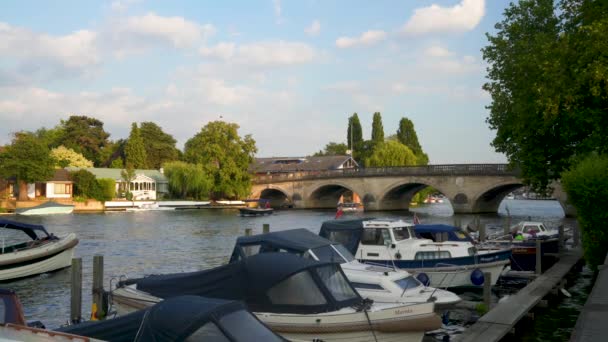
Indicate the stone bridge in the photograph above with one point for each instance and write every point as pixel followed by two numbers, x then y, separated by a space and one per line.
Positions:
pixel 470 188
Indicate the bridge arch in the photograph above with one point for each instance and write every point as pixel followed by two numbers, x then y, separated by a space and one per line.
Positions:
pixel 488 200
pixel 327 194
pixel 398 195
pixel 277 195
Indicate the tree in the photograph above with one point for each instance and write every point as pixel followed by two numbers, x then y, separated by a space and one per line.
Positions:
pixel 188 180
pixel 354 134
pixel 85 184
pixel 225 156
pixel 377 129
pixel 84 135
pixel 28 160
pixel 406 134
pixel 160 146
pixel 50 137
pixel 548 85
pixel 391 153
pixel 135 151
pixel 333 149
pixel 127 175
pixel 67 157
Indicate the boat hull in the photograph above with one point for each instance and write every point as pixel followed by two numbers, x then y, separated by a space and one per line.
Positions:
pixel 255 211
pixel 357 336
pixel 55 210
pixel 53 262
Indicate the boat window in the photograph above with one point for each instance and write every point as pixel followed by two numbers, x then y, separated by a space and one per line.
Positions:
pixel 472 251
pixel 342 237
pixel 336 282
pixel 542 228
pixel 344 252
pixel 407 283
pixel 327 253
pixel 251 250
pixel 432 255
pixel 375 236
pixel 244 327
pixel 208 332
pixel 366 286
pixel 299 289
pixel 3 309
pixel 401 233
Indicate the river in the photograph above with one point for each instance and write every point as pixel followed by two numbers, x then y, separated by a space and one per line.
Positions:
pixel 138 243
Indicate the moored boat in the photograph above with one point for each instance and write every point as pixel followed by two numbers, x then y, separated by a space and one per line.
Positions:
pixel 255 211
pixel 47 208
pixel 394 243
pixel 149 207
pixel 32 250
pixel 301 299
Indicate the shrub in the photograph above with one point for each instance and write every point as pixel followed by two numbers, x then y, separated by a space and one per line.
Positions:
pixel 85 183
pixel 587 187
pixel 107 189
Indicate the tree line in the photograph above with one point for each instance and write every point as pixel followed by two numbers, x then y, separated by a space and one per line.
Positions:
pixel 214 163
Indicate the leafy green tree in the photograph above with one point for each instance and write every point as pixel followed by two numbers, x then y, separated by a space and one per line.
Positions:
pixel 50 137
pixel 135 151
pixel 160 146
pixel 67 157
pixel 84 135
pixel 354 134
pixel 587 187
pixel 406 134
pixel 225 156
pixel 107 189
pixel 188 180
pixel 85 184
pixel 391 153
pixel 28 160
pixel 548 85
pixel 332 149
pixel 377 129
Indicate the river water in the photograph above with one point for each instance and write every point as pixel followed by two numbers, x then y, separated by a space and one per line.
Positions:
pixel 138 243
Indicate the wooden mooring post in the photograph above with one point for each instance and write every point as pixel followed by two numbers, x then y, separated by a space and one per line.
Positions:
pixel 266 228
pixel 482 233
pixel 99 310
pixel 76 291
pixel 561 239
pixel 487 290
pixel 539 266
pixel 247 231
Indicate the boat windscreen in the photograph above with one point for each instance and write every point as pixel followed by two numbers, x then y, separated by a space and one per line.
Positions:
pixel 401 233
pixel 407 283
pixel 208 332
pixel 299 289
pixel 337 284
pixel 245 327
pixel 344 252
pixel 327 253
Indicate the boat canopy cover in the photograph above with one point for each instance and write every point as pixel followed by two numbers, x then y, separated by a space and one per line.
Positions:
pixel 175 319
pixel 346 232
pixel 293 241
pixel 29 229
pixel 268 282
pixel 454 233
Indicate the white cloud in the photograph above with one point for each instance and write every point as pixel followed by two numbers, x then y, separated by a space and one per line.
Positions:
pixel 460 18
pixel 314 29
pixel 365 39
pixel 122 5
pixel 278 11
pixel 343 86
pixel 437 51
pixel 269 53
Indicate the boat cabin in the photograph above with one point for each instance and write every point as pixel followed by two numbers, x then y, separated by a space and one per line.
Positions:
pixel 16 236
pixel 183 318
pixel 441 232
pixel 266 282
pixel 531 229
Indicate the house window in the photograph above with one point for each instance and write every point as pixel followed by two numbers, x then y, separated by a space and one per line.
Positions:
pixel 62 189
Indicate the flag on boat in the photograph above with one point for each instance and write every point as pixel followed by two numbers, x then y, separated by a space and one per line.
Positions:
pixel 416 220
pixel 339 213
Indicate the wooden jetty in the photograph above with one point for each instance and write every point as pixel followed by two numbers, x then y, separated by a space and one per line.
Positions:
pixel 591 324
pixel 500 320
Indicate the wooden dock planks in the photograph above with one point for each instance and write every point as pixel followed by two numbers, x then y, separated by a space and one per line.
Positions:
pixel 499 321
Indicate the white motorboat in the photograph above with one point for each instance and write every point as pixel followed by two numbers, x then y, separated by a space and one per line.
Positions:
pixel 350 207
pixel 393 243
pixel 381 284
pixel 149 207
pixel 47 208
pixel 41 252
pixel 531 230
pixel 299 298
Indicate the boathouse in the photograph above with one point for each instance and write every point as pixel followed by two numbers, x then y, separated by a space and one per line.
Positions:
pixel 146 185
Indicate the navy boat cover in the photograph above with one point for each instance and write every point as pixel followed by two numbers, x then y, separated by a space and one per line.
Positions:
pixel 346 232
pixel 422 230
pixel 175 319
pixel 248 280
pixel 29 229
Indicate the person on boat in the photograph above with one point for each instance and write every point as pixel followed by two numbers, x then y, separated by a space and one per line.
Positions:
pixel 340 212
pixel 518 236
pixel 267 206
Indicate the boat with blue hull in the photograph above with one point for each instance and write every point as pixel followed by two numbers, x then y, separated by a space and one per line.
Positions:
pixel 449 264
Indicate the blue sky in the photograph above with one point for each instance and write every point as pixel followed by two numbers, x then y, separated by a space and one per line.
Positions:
pixel 288 72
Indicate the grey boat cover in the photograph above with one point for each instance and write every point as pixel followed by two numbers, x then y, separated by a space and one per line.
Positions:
pixel 248 280
pixel 29 229
pixel 176 319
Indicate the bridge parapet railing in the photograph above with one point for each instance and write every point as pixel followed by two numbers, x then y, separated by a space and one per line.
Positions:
pixel 424 170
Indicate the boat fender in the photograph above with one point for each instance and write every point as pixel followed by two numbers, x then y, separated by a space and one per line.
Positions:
pixel 424 279
pixel 397 255
pixel 477 277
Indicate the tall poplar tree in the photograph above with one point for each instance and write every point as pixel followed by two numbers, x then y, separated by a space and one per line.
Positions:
pixel 377 129
pixel 406 134
pixel 354 134
pixel 135 151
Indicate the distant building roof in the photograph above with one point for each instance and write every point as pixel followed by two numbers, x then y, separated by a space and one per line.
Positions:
pixel 292 164
pixel 115 173
pixel 61 175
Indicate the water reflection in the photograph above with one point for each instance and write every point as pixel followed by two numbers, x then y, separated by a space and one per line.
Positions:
pixel 140 243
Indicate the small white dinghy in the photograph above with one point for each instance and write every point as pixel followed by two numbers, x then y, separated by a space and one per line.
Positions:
pixel 43 252
pixel 47 208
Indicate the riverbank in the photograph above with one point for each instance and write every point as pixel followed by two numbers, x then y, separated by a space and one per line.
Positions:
pixel 591 324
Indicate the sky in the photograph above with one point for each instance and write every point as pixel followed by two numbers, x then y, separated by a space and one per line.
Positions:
pixel 289 72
